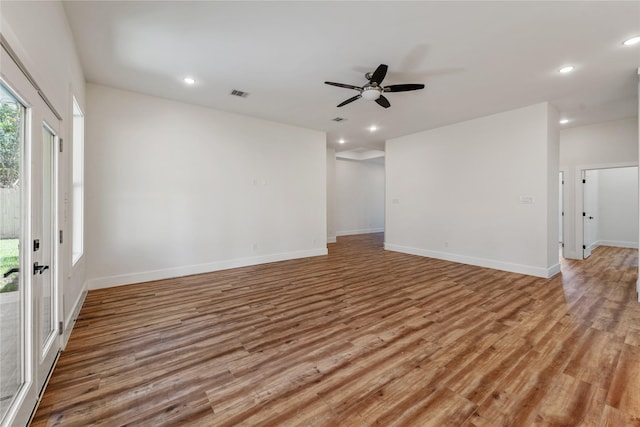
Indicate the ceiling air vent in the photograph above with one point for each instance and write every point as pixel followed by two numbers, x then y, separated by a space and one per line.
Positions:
pixel 339 119
pixel 239 93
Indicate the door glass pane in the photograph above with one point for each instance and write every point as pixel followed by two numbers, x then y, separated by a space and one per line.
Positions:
pixel 46 277
pixel 12 297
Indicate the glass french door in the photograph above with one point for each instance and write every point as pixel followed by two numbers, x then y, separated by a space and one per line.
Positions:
pixel 30 306
pixel 44 283
pixel 13 295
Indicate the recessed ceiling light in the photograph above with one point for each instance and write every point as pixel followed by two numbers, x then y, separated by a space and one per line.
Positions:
pixel 566 69
pixel 373 128
pixel 341 141
pixel 189 80
pixel 564 121
pixel 632 41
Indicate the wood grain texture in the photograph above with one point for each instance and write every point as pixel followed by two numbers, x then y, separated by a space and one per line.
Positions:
pixel 362 336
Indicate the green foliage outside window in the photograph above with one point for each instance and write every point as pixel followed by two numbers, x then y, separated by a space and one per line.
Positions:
pixel 10 136
pixel 10 127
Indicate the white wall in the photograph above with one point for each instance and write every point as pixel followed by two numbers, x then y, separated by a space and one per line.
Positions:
pixel 608 144
pixel 618 207
pixel 553 180
pixel 455 192
pixel 331 195
pixel 359 196
pixel 39 34
pixel 175 189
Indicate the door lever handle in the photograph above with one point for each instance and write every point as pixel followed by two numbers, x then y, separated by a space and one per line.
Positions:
pixel 10 272
pixel 37 268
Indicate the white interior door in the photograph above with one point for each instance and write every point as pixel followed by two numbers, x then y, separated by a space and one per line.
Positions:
pixel 561 212
pixel 589 212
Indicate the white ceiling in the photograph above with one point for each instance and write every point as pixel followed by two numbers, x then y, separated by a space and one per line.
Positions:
pixel 476 58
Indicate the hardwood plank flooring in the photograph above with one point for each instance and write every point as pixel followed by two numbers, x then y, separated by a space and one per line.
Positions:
pixel 360 337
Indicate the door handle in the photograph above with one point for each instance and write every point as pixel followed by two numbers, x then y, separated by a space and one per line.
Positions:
pixel 10 272
pixel 591 217
pixel 37 268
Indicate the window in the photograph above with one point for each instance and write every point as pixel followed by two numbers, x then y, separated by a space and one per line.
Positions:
pixel 78 183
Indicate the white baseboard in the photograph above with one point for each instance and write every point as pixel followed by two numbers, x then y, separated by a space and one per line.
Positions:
pixel 146 276
pixel 70 321
pixel 331 239
pixel 618 244
pixel 361 231
pixel 480 262
pixel 592 247
pixel 552 271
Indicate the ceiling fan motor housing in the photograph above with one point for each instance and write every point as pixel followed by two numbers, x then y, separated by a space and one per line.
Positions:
pixel 371 92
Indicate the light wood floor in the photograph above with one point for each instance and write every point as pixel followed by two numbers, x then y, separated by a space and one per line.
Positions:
pixel 360 337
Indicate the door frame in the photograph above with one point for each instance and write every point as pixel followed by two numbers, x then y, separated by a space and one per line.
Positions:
pixel 579 231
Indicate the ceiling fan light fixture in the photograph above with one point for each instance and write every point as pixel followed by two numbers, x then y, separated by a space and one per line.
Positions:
pixel 371 93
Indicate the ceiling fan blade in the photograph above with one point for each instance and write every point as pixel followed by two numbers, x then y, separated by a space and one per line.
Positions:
pixel 350 100
pixel 378 74
pixel 403 88
pixel 344 85
pixel 383 102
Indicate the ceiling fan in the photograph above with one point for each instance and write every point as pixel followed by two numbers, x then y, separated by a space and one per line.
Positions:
pixel 374 89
